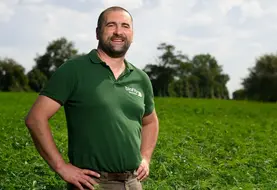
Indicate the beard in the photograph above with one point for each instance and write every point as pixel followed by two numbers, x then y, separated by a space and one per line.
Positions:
pixel 114 51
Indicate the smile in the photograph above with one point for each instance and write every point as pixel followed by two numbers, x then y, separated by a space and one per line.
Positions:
pixel 117 40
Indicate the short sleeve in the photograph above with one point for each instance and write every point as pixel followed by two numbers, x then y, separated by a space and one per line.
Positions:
pixel 149 98
pixel 61 84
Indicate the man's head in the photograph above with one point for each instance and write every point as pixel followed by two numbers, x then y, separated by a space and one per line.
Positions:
pixel 115 31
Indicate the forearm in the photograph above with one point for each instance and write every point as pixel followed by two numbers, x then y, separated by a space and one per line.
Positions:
pixel 149 139
pixel 44 142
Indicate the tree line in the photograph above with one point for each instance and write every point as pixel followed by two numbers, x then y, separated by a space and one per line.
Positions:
pixel 173 75
pixel 177 75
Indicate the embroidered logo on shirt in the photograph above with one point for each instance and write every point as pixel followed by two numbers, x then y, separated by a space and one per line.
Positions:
pixel 133 91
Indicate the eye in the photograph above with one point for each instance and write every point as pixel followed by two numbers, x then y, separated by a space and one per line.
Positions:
pixel 110 24
pixel 126 25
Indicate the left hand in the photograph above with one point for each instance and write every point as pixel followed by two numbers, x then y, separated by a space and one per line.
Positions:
pixel 143 170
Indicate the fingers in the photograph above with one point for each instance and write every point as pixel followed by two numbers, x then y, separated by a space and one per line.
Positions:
pixel 81 178
pixel 141 175
pixel 87 180
pixel 86 183
pixel 139 170
pixel 92 173
pixel 143 172
pixel 90 180
pixel 79 186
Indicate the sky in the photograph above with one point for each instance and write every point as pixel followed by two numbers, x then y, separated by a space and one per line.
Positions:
pixel 235 32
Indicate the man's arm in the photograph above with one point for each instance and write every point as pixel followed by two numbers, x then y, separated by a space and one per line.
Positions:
pixel 37 122
pixel 150 129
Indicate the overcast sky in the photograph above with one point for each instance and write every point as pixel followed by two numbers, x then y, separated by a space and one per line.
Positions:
pixel 236 32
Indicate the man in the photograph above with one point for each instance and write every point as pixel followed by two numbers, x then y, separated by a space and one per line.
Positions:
pixel 109 107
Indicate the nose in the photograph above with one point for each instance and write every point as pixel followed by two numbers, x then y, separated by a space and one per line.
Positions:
pixel 118 30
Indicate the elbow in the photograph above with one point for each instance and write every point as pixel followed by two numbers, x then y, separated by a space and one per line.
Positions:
pixel 31 121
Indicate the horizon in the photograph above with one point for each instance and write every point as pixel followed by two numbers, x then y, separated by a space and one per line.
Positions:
pixel 235 32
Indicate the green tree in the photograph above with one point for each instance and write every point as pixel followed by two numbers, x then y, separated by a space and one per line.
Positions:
pixel 160 78
pixel 239 94
pixel 261 84
pixel 164 73
pixel 211 81
pixel 36 79
pixel 57 52
pixel 12 76
pixel 177 75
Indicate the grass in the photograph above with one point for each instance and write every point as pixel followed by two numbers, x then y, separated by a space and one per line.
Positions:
pixel 203 144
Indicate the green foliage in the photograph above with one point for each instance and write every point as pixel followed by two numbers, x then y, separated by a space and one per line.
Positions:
pixel 163 74
pixel 20 165
pixel 239 94
pixel 174 75
pixel 203 144
pixel 261 84
pixel 211 81
pixel 57 52
pixel 12 77
pixel 36 79
pixel 177 75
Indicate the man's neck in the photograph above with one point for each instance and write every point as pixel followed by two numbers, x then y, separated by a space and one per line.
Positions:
pixel 113 63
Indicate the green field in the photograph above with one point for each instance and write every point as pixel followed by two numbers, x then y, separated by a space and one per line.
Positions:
pixel 203 144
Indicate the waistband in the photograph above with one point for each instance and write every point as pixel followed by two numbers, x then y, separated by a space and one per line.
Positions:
pixel 122 176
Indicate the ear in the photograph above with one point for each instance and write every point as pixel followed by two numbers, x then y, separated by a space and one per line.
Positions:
pixel 97 33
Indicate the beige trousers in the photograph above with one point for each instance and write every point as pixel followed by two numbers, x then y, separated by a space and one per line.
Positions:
pixel 131 183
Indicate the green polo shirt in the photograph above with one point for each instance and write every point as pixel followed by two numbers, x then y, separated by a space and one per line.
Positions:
pixel 104 115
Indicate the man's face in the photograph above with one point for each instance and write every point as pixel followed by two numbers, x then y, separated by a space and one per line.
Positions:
pixel 116 33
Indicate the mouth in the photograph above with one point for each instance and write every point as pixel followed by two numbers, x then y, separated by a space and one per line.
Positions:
pixel 117 40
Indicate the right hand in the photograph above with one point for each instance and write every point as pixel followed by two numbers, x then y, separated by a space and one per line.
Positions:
pixel 78 177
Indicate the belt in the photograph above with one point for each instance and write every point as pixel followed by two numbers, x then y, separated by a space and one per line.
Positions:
pixel 124 176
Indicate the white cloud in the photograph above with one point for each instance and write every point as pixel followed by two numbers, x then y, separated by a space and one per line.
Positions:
pixel 6 10
pixel 42 24
pixel 30 1
pixel 134 4
pixel 70 23
pixel 252 9
pixel 236 32
pixel 226 5
pixel 198 19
